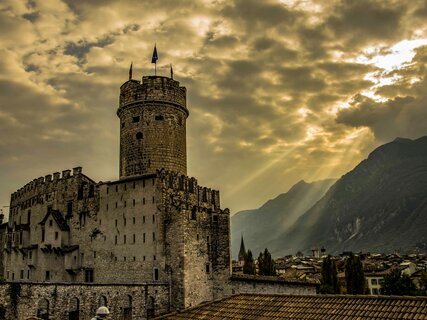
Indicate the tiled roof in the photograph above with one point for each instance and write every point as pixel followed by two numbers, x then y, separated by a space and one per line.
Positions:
pixel 308 307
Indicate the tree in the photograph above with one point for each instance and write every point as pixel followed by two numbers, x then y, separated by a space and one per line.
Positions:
pixel 396 283
pixel 249 264
pixel 266 264
pixel 423 284
pixel 354 275
pixel 329 281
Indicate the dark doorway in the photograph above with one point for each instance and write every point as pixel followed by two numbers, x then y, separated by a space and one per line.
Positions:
pixel 151 310
pixel 43 309
pixel 127 314
pixel 73 315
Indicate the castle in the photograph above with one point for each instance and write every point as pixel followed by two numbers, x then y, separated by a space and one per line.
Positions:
pixel 154 226
pixel 149 243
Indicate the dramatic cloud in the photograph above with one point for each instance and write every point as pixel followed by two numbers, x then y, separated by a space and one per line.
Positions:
pixel 278 91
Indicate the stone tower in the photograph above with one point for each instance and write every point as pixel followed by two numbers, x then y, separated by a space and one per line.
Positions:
pixel 153 117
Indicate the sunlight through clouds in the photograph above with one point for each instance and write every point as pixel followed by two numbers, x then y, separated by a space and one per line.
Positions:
pixel 277 91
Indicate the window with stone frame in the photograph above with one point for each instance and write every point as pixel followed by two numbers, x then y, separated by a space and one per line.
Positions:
pixel 89 275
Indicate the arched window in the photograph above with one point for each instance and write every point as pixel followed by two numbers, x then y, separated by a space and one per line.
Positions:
pixel 139 135
pixel 102 302
pixel 74 309
pixel 127 307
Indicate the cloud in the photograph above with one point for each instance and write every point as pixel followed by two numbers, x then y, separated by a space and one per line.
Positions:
pixel 278 91
pixel 404 110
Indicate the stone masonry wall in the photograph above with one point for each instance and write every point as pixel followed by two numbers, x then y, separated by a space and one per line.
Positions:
pixel 34 243
pixel 152 127
pixel 58 300
pixel 198 261
pixel 256 284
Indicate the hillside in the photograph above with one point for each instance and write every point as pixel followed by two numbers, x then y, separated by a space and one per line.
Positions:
pixel 381 205
pixel 265 224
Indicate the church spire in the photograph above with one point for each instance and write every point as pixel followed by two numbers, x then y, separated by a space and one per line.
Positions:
pixel 130 71
pixel 242 251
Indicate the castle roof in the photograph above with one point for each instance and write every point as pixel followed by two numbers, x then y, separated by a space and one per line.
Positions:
pixel 57 216
pixel 309 307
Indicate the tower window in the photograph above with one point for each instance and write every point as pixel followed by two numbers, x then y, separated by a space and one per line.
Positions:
pixel 89 275
pixel 135 119
pixel 69 208
pixel 139 135
pixel 123 124
pixel 158 118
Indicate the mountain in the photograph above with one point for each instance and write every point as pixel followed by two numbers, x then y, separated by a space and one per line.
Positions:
pixel 267 223
pixel 380 205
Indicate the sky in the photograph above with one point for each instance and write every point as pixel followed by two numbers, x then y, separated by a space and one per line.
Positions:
pixel 278 91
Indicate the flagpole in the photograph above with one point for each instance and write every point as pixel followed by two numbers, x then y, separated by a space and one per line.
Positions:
pixel 154 60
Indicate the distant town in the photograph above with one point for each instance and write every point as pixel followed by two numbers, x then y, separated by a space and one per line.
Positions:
pixel 389 274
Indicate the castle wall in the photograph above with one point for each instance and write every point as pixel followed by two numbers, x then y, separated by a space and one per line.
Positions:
pixel 35 249
pixel 32 299
pixel 129 245
pixel 195 257
pixel 271 285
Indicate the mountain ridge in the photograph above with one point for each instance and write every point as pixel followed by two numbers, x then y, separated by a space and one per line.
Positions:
pixel 379 205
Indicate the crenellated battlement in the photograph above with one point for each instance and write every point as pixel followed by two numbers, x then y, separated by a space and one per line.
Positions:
pixel 181 183
pixel 41 184
pixel 152 89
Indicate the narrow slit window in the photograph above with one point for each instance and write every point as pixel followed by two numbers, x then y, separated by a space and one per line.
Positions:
pixel 135 119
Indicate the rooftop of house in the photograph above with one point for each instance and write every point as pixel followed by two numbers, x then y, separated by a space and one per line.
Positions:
pixel 309 307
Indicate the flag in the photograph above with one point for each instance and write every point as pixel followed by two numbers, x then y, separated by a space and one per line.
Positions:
pixel 171 72
pixel 155 57
pixel 130 71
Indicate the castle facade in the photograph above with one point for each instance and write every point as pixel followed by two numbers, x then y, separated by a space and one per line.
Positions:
pixel 153 238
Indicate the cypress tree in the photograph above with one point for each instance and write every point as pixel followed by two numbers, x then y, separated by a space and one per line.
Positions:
pixel 249 264
pixel 354 275
pixel 329 281
pixel 266 264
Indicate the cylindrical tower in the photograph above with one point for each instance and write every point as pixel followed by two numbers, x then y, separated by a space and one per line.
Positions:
pixel 152 126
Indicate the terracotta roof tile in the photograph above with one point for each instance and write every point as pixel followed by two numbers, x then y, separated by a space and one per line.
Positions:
pixel 313 307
